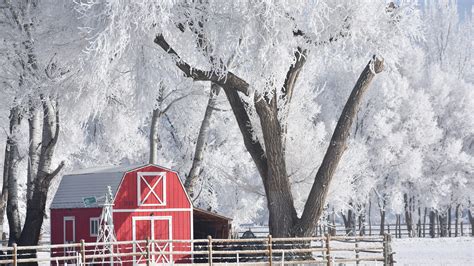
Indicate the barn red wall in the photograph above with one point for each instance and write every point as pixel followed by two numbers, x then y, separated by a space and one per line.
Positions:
pixel 126 197
pixel 82 216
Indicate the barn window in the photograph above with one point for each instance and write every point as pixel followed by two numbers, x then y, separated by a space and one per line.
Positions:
pixel 151 188
pixel 94 226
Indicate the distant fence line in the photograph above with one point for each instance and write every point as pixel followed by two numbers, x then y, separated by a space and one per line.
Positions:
pixel 325 250
pixel 398 231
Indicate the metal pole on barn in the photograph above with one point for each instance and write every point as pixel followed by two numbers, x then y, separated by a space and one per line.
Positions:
pixel 209 245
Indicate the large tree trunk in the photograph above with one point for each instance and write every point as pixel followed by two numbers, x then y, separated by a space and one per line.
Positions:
pixel 280 204
pixel 13 213
pixel 36 205
pixel 34 128
pixel 193 177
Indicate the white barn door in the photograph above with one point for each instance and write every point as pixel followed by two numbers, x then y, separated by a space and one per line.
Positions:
pixel 158 229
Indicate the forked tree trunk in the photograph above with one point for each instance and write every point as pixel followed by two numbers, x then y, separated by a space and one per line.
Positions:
pixel 36 205
pixel 12 153
pixel 193 177
pixel 270 162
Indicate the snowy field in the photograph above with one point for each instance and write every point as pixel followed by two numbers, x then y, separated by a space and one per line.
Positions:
pixel 437 251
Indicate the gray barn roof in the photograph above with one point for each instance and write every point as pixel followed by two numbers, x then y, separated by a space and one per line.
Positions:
pixel 90 182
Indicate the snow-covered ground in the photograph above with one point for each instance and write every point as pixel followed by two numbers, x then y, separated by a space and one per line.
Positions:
pixel 437 251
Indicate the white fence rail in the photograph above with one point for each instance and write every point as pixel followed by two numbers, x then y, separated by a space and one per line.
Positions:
pixel 324 250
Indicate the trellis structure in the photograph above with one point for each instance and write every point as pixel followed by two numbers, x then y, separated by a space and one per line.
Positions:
pixel 106 233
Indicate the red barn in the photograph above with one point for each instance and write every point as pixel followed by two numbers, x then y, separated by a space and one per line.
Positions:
pixel 149 201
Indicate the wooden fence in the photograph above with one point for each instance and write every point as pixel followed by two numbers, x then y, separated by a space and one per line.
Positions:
pixel 398 231
pixel 324 250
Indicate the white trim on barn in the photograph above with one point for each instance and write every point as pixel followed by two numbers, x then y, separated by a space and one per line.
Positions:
pixel 141 179
pixel 152 225
pixel 158 166
pixel 66 219
pixel 95 220
pixel 154 210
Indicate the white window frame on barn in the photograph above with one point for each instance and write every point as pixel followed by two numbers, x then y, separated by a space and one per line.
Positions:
pixel 141 178
pixel 95 220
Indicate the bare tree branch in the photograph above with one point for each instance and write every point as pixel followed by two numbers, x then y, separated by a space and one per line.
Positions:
pixel 231 81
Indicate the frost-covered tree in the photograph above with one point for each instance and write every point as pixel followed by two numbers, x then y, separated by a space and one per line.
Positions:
pixel 271 43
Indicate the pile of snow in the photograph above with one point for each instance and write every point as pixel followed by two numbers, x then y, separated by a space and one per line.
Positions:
pixel 434 251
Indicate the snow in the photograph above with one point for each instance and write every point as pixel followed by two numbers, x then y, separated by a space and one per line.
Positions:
pixel 434 251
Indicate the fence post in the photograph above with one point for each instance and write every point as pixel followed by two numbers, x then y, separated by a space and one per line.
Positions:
pixel 209 245
pixel 357 251
pixel 387 250
pixel 15 254
pixel 328 252
pixel 270 259
pixel 148 257
pixel 83 252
